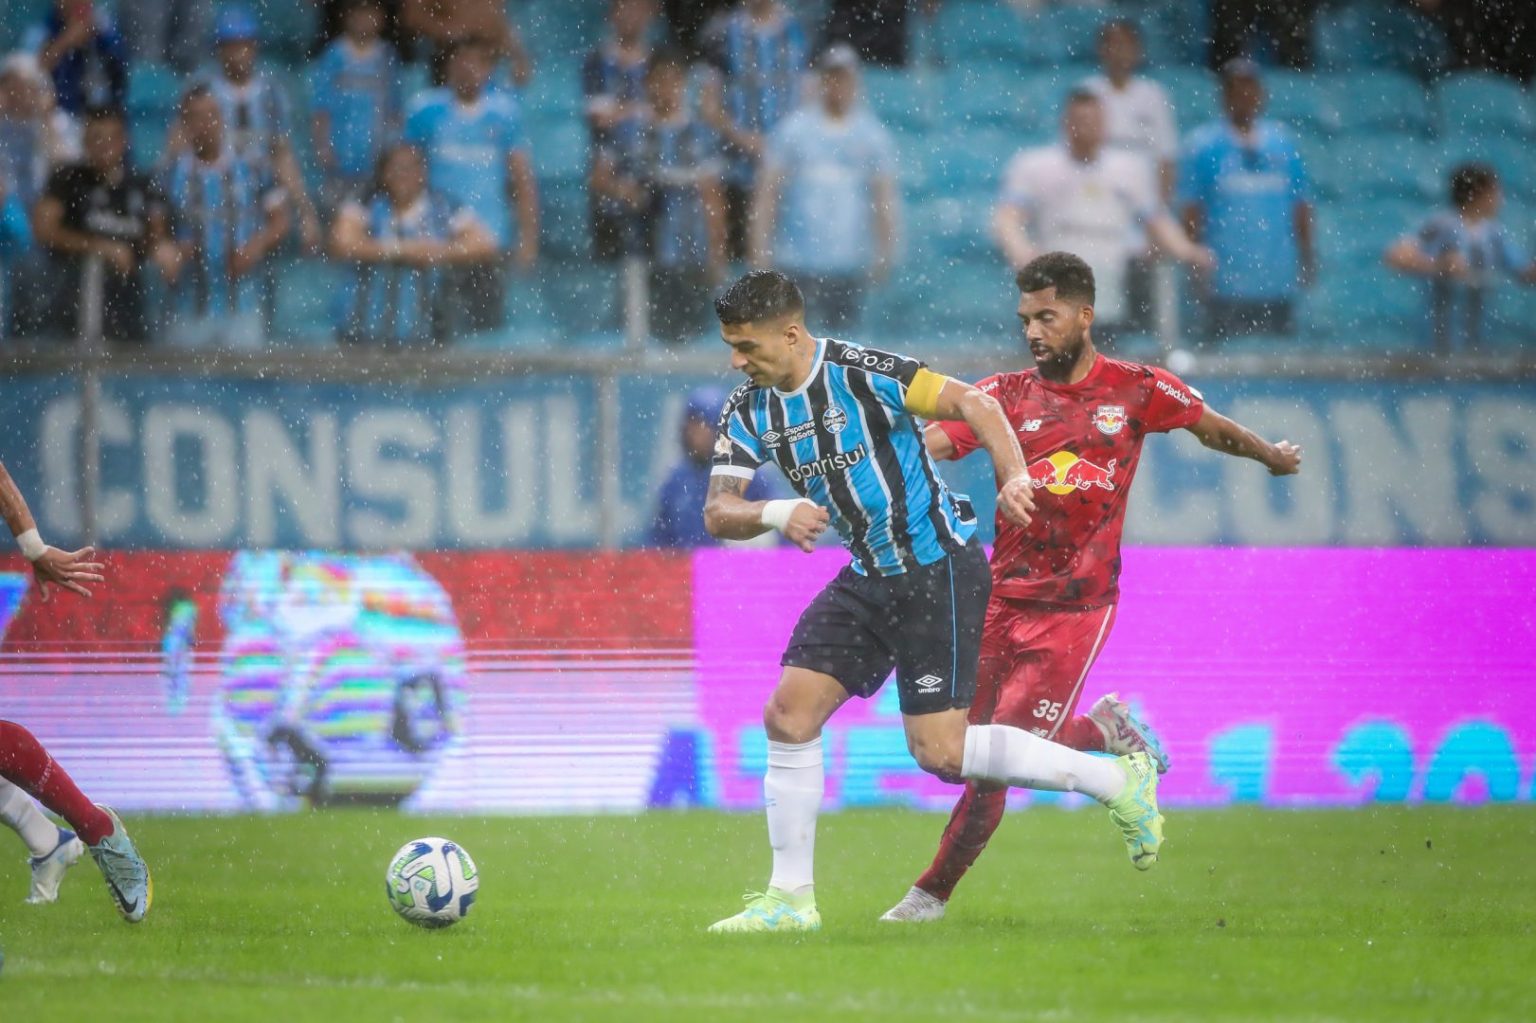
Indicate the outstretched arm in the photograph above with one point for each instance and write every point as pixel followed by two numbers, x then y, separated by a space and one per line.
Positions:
pixel 1219 433
pixel 51 565
pixel 728 515
pixel 985 416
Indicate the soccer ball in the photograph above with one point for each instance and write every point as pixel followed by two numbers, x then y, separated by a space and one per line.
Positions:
pixel 431 882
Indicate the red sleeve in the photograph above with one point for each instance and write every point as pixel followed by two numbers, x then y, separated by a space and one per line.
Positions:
pixel 1171 403
pixel 959 430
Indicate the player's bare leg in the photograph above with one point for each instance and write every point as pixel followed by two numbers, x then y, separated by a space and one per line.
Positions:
pixel 792 792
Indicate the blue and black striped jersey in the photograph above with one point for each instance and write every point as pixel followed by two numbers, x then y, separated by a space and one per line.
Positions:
pixel 846 440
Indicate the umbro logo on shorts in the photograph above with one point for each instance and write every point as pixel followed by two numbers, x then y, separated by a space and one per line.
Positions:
pixel 929 684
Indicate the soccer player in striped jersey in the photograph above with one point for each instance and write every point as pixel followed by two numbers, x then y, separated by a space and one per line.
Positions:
pixel 841 422
pixel 27 771
pixel 1081 419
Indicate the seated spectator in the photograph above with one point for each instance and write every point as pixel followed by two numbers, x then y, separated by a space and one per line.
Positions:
pixel 825 210
pixel 35 137
pixel 402 238
pixel 1460 250
pixel 355 83
pixel 679 520
pixel 441 26
pixel 257 117
pixel 757 53
pixel 663 170
pixel 1244 194
pixel 103 209
pixel 83 53
pixel 228 215
pixel 477 159
pixel 1101 203
pixel 613 79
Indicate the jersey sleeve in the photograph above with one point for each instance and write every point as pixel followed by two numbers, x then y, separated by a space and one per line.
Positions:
pixel 959 431
pixel 897 381
pixel 1171 403
pixel 738 451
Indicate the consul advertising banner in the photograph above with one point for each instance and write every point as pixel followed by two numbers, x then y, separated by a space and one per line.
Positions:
pixel 216 463
pixel 267 681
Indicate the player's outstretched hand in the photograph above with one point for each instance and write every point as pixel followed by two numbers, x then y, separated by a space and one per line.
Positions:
pixel 68 569
pixel 1286 460
pixel 806 524
pixel 1016 500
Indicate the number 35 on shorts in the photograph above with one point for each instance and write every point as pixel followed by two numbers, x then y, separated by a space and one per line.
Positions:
pixel 1047 710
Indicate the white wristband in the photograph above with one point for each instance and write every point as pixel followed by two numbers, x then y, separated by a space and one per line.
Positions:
pixel 31 544
pixel 776 513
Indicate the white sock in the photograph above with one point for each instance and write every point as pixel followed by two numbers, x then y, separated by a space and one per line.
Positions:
pixel 792 789
pixel 22 815
pixel 1012 756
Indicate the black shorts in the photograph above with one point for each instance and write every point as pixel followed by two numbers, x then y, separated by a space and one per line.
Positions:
pixel 924 624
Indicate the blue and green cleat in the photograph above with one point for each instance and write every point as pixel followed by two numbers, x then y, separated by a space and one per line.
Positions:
pixel 771 911
pixel 1134 810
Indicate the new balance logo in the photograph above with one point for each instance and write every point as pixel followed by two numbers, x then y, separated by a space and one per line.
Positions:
pixel 929 684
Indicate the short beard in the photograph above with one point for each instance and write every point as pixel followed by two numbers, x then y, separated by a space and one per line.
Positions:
pixel 1060 365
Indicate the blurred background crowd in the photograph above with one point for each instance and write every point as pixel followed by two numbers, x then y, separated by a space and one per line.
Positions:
pixel 577 174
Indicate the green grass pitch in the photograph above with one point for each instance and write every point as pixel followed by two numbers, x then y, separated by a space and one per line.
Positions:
pixel 1380 914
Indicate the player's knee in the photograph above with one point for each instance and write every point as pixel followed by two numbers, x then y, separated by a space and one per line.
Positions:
pixel 940 757
pixel 786 723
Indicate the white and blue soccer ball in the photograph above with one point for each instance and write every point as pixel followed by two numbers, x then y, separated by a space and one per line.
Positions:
pixel 432 882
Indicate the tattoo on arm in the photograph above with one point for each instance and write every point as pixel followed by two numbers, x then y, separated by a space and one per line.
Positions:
pixel 727 485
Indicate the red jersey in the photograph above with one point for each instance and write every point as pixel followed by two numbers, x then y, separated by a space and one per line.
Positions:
pixel 1081 442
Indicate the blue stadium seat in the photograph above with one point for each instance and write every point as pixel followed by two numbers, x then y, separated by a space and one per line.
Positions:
pixel 900 98
pixel 554 95
pixel 564 220
pixel 1379 101
pixel 1387 166
pixel 559 150
pixel 153 89
pixel 308 293
pixel 970 162
pixel 980 95
pixel 1511 317
pixel 1477 101
pixel 986 33
pixel 949 229
pixel 1301 102
pixel 1379 34
pixel 1193 93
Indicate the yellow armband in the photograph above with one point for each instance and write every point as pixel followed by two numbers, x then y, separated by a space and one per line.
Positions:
pixel 923 393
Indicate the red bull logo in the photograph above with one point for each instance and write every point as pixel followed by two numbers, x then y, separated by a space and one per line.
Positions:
pixel 1064 472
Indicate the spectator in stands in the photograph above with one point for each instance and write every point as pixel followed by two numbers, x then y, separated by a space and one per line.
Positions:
pixel 1244 193
pixel 663 169
pixel 228 215
pixel 402 239
pixel 35 137
pixel 357 103
pixel 1138 116
pixel 758 54
pixel 101 208
pixel 1460 250
pixel 83 53
pixel 333 22
pixel 1102 203
pixel 15 238
pixel 679 521
pixel 826 205
pixel 1240 27
pixel 257 117
pixel 477 159
pixel 613 80
pixel 442 25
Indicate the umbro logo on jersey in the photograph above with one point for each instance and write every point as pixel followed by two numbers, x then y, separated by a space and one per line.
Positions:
pixel 772 438
pixel 1030 425
pixel 929 684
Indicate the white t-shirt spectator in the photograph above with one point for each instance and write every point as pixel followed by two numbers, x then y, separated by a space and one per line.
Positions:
pixel 826 221
pixel 1098 210
pixel 1138 118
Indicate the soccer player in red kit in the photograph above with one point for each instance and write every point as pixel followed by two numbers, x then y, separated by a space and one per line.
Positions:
pixel 1081 418
pixel 27 769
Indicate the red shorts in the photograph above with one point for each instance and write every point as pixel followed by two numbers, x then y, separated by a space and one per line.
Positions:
pixel 1033 663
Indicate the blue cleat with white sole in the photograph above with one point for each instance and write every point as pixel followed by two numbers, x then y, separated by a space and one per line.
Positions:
pixel 49 869
pixel 126 873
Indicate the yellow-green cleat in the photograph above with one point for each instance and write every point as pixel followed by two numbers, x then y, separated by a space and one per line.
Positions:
pixel 773 910
pixel 1134 810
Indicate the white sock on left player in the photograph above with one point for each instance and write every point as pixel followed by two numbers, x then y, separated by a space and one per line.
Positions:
pixel 22 815
pixel 792 789
pixel 1012 756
